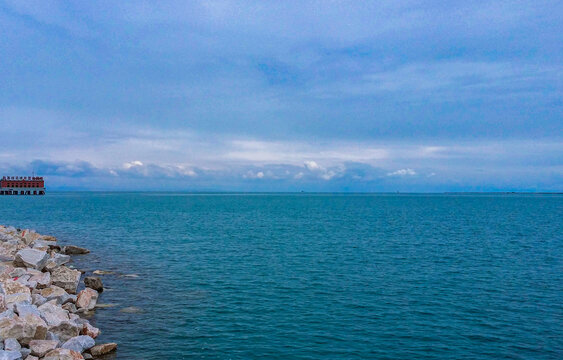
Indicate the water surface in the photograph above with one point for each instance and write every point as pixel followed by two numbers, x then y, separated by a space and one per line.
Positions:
pixel 317 276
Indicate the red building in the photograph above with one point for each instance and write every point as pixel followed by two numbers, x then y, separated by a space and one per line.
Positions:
pixel 22 185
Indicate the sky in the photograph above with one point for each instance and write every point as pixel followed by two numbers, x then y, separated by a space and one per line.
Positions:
pixel 367 96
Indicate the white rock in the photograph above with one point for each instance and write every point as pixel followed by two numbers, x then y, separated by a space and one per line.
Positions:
pixel 79 343
pixel 17 272
pixel 25 352
pixel 57 260
pixel 65 330
pixel 10 314
pixel 41 245
pixel 87 299
pixel 24 308
pixel 42 280
pixel 10 355
pixel 36 259
pixel 55 293
pixel 25 329
pixel 63 354
pixel 17 298
pixel 42 347
pixel 70 307
pixel 66 278
pixel 12 344
pixel 9 286
pixel 38 300
pixel 90 330
pixel 52 336
pixel 53 314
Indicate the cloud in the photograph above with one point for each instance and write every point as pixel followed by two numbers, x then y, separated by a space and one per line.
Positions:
pixel 312 166
pixel 129 165
pixel 297 94
pixel 254 175
pixel 74 169
pixel 402 172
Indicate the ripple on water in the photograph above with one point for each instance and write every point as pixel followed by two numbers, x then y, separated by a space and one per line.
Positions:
pixel 316 276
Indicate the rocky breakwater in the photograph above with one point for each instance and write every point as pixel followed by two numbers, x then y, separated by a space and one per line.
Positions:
pixel 41 314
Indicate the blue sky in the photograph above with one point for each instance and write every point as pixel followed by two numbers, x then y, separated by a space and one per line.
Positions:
pixel 283 95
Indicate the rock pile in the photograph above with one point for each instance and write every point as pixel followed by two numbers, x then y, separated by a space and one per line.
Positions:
pixel 40 310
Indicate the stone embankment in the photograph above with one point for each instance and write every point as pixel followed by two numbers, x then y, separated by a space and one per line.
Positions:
pixel 41 314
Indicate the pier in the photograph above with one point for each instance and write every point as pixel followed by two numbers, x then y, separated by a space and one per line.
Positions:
pixel 22 185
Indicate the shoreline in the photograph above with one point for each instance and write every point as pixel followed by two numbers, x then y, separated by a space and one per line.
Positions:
pixel 42 311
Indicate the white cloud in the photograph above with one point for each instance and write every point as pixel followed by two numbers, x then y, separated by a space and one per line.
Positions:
pixel 312 166
pixel 402 172
pixel 254 175
pixel 329 175
pixel 129 165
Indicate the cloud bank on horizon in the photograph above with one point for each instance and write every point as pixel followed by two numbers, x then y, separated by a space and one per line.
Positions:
pixel 283 96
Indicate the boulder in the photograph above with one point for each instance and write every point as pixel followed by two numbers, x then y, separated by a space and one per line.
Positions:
pixel 53 314
pixel 63 354
pixel 38 300
pixel 10 355
pixel 8 250
pixel 51 336
pixel 55 293
pixel 94 282
pixel 25 352
pixel 42 280
pixel 22 279
pixel 87 299
pixel 31 357
pixel 103 349
pixel 11 327
pixel 66 278
pixel 48 238
pixel 9 287
pixel 5 269
pixel 56 260
pixel 25 281
pixel 12 344
pixel 17 272
pixel 70 307
pixel 41 247
pixel 42 347
pixel 37 328
pixel 2 303
pixel 30 236
pixel 90 330
pixel 32 258
pixel 24 330
pixel 25 308
pixel 10 314
pixel 66 330
pixel 41 244
pixel 17 298
pixel 75 250
pixel 54 248
pixel 79 343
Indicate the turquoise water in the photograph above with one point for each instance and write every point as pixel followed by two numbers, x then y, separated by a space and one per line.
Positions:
pixel 314 276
